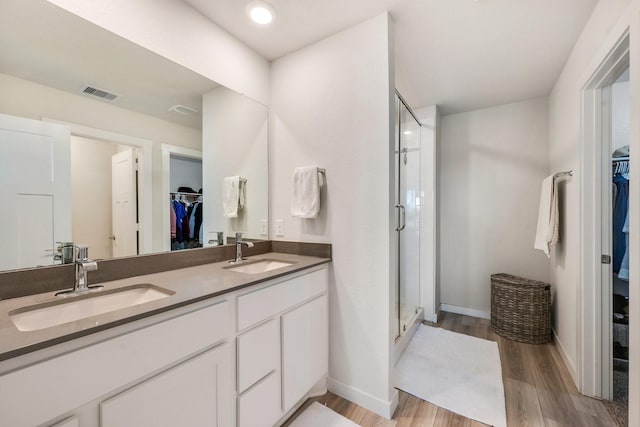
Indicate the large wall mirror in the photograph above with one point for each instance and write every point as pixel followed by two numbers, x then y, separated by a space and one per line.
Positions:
pixel 107 144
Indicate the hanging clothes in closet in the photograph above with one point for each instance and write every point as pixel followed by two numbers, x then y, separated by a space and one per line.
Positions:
pixel 195 222
pixel 620 261
pixel 186 221
pixel 621 213
pixel 180 211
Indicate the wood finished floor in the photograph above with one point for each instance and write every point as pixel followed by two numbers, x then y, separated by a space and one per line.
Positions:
pixel 538 390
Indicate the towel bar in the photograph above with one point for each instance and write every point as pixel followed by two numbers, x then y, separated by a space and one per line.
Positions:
pixel 561 174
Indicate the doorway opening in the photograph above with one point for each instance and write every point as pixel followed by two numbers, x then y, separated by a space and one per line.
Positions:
pixel 104 197
pixel 183 215
pixel 131 195
pixel 186 202
pixel 604 209
pixel 618 210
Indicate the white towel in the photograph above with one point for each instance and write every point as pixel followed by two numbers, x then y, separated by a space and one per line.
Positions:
pixel 232 196
pixel 306 192
pixel 547 232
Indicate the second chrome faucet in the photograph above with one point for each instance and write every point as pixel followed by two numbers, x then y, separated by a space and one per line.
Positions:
pixel 83 265
pixel 239 242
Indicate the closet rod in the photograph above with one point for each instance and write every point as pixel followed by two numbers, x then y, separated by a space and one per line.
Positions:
pixel 620 159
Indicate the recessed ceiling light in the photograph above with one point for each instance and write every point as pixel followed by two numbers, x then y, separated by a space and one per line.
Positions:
pixel 260 12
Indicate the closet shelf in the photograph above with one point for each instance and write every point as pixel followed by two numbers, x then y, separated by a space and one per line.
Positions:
pixel 183 196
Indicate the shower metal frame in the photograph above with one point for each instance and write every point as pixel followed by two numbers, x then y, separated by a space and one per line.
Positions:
pixel 401 208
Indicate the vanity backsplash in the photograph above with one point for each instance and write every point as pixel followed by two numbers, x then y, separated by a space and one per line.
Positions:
pixel 18 283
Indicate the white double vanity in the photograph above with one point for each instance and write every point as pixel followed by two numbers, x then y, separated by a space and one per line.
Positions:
pixel 226 349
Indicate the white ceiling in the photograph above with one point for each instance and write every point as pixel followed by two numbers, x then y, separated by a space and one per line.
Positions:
pixel 44 44
pixel 460 54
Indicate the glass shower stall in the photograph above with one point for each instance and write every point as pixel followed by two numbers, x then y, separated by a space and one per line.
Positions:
pixel 407 202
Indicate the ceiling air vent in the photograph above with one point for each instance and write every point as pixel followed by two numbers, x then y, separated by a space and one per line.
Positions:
pixel 181 109
pixel 99 93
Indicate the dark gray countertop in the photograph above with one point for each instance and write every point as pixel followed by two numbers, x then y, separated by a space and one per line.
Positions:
pixel 190 285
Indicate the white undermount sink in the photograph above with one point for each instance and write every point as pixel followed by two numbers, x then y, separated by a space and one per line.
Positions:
pixel 46 315
pixel 259 266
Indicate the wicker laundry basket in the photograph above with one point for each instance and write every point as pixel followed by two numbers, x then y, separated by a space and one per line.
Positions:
pixel 520 308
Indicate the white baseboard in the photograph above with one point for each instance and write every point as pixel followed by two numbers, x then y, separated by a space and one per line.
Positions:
pixel 432 317
pixel 394 403
pixel 438 314
pixel 367 401
pixel 565 358
pixel 466 311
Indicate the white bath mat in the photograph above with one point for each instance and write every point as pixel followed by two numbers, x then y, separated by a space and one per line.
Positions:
pixel 318 415
pixel 456 372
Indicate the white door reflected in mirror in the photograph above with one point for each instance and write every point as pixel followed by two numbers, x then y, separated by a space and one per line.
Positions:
pixel 35 190
pixel 124 201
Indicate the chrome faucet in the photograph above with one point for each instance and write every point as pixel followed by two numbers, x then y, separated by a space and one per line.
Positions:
pixel 83 265
pixel 239 243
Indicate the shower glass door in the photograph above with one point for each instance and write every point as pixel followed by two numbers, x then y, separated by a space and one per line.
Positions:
pixel 407 152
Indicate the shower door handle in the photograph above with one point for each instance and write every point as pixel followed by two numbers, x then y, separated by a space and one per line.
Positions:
pixel 401 218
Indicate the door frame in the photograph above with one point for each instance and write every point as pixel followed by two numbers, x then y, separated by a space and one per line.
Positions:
pixel 594 309
pixel 167 151
pixel 145 173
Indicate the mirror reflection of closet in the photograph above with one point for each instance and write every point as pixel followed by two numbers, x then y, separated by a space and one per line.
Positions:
pixel 186 203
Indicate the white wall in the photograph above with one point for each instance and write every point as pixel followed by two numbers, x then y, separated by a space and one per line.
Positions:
pixel 620 115
pixel 492 163
pixel 331 105
pixel 176 31
pixel 564 149
pixel 185 172
pixel 26 99
pixel 91 195
pixel 235 142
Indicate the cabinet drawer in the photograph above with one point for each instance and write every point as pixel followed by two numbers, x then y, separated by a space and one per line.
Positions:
pixel 258 353
pixel 260 406
pixel 256 306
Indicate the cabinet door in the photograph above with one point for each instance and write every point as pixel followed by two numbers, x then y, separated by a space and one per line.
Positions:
pixel 304 349
pixel 195 393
